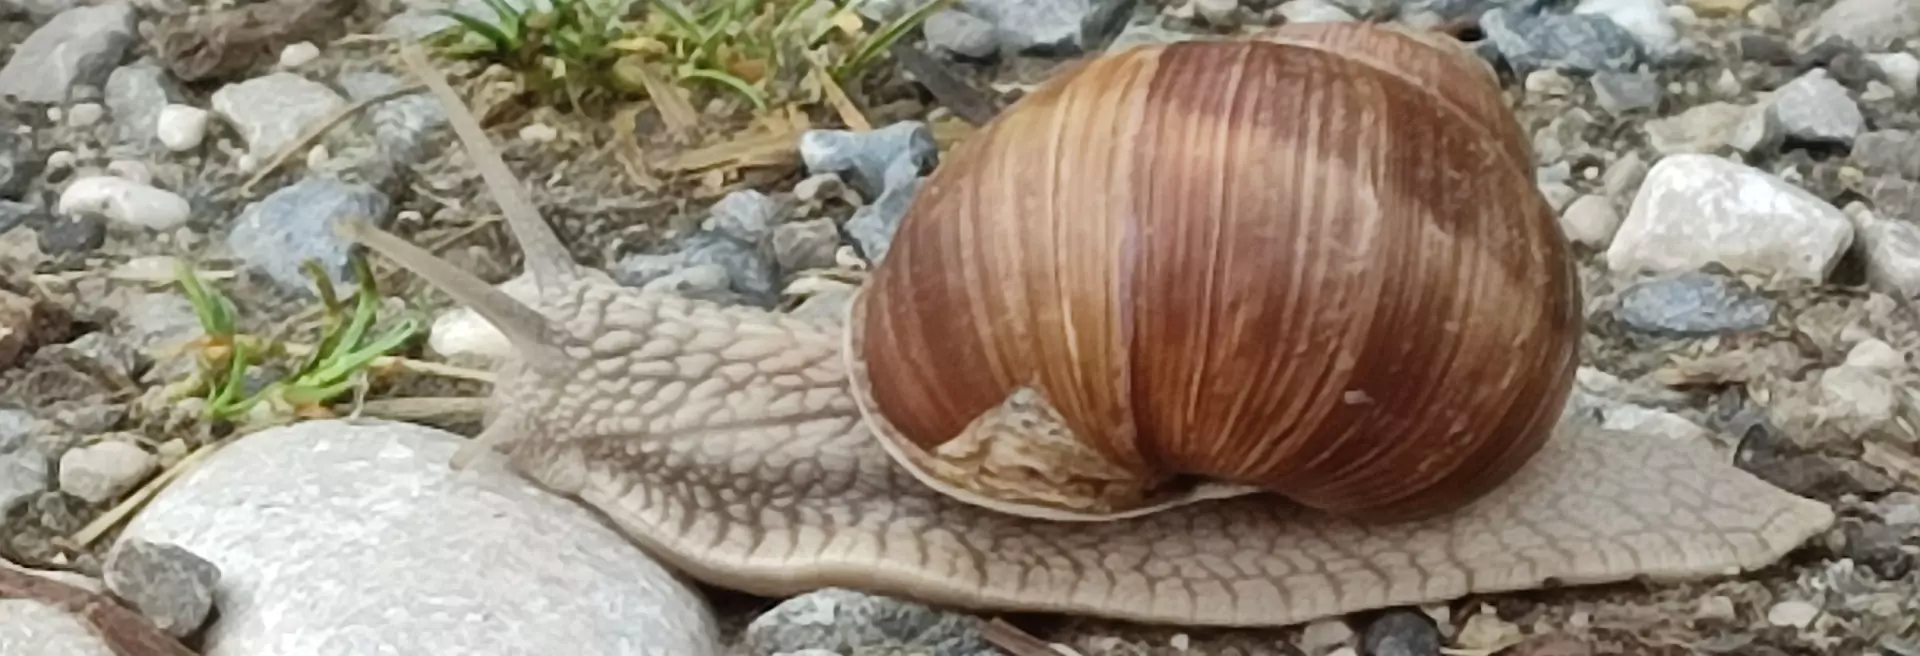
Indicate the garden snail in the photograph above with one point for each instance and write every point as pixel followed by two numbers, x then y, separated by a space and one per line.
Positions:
pixel 1318 188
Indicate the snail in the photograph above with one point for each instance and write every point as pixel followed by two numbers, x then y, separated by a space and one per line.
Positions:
pixel 1027 410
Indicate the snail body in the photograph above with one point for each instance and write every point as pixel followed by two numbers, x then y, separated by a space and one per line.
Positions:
pixel 1365 408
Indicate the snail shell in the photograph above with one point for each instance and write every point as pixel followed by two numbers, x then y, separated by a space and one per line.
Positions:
pixel 1313 263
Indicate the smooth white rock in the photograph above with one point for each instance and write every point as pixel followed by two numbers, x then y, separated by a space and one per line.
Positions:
pixel 1901 68
pixel 86 114
pixel 127 201
pixel 273 110
pixel 105 470
pixel 181 127
pixel 296 55
pixel 1794 613
pixel 1590 220
pixel 1892 250
pixel 462 333
pixel 1876 355
pixel 1695 209
pixel 344 537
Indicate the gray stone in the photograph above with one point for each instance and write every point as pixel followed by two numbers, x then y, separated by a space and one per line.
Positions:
pixel 1701 128
pixel 402 125
pixel 864 158
pixel 344 537
pixel 1050 27
pixel 872 226
pixel 103 471
pixel 747 215
pixel 1814 107
pixel 1891 251
pixel 1873 25
pixel 1693 303
pixel 1623 92
pixel 273 110
pixel 1888 152
pixel 81 46
pixel 802 245
pixel 24 468
pixel 1895 198
pixel 708 265
pixel 39 10
pixel 14 214
pixel 136 93
pixel 1578 43
pixel 849 621
pixel 297 222
pixel 1694 210
pixel 1647 20
pixel 170 585
pixel 1590 220
pixel 960 33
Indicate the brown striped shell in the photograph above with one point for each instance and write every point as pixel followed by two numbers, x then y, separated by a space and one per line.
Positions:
pixel 1312 263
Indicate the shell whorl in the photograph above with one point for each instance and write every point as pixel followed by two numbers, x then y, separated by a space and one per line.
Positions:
pixel 1313 263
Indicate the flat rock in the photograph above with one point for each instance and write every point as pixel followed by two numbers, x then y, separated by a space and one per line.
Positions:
pixel 272 110
pixel 1872 25
pixel 79 46
pixel 413 558
pixel 1696 209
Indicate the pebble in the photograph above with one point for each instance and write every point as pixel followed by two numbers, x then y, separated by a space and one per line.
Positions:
pixel 1857 400
pixel 803 245
pixel 1698 209
pixel 539 133
pixel 1647 20
pixel 85 115
pixel 19 164
pixel 1758 131
pixel 1872 25
pixel 747 215
pixel 1701 128
pixel 24 469
pixel 1693 303
pixel 1901 70
pixel 294 508
pixel 1716 607
pixel 103 471
pixel 169 585
pixel 1401 633
pixel 1590 220
pixel 1887 152
pixel 1218 13
pixel 463 335
pixel 708 265
pixel 863 158
pixel 848 621
pixel 1718 8
pixel 1895 198
pixel 273 110
pixel 15 213
pixel 1793 613
pixel 1892 255
pixel 1313 11
pixel 1623 92
pixel 1324 635
pixel 1623 178
pixel 296 222
pixel 1578 43
pixel 1766 16
pixel 1876 355
pixel 873 226
pixel 1814 107
pixel 298 54
pixel 135 95
pixel 961 34
pixel 1549 82
pixel 17 315
pixel 1048 27
pixel 79 233
pixel 80 46
pixel 131 202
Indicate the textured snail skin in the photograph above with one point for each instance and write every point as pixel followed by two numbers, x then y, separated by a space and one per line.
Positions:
pixel 1314 263
pixel 725 442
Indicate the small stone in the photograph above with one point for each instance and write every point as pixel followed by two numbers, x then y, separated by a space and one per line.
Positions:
pixel 1876 355
pixel 1699 129
pixel 1757 131
pixel 1901 70
pixel 16 327
pixel 872 226
pixel 79 233
pixel 80 46
pixel 296 222
pixel 1892 255
pixel 746 214
pixel 539 133
pixel 1325 635
pixel 1590 220
pixel 130 169
pixel 1313 11
pixel 105 470
pixel 1766 16
pixel 171 586
pixel 1888 152
pixel 1487 631
pixel 1048 27
pixel 1578 43
pixel 1794 613
pixel 803 245
pixel 1558 194
pixel 863 158
pixel 1648 21
pixel 848 621
pixel 127 201
pixel 14 214
pixel 1717 608
pixel 181 127
pixel 1857 400
pixel 1814 107
pixel 273 110
pixel 960 33
pixel 1728 85
pixel 19 164
pixel 1694 210
pixel 85 115
pixel 1872 25
pixel 1622 92
pixel 135 94
pixel 1401 633
pixel 1693 303
pixel 1624 177
pixel 299 54
pixel 1549 82
pixel 23 467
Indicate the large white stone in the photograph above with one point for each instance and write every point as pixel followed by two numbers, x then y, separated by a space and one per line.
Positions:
pixel 1696 209
pixel 128 201
pixel 339 538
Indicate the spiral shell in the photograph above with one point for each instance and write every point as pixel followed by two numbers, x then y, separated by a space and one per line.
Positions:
pixel 1312 263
